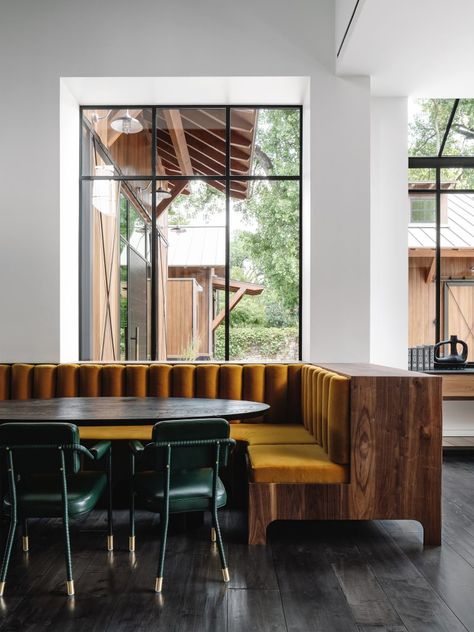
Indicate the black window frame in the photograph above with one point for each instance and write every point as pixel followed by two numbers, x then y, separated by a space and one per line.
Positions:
pixel 437 163
pixel 227 178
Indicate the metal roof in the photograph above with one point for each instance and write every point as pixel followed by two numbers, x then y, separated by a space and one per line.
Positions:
pixel 458 232
pixel 202 246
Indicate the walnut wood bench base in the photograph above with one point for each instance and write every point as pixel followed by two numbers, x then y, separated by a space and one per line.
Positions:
pixel 278 501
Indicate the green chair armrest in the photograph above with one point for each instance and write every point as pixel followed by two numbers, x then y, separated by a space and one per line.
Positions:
pixel 100 449
pixel 136 446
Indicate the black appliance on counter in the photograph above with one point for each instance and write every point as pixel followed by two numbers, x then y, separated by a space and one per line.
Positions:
pixel 453 359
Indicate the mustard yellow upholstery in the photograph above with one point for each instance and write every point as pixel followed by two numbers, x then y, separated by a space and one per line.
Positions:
pixel 5 371
pixel 207 381
pixel 253 434
pixel 44 381
pixel 136 380
pixel 141 433
pixel 89 380
pixel 276 383
pixel 308 423
pixel 183 380
pixel 294 464
pixel 338 447
pixel 230 386
pixel 67 380
pixel 257 434
pixel 253 385
pixel 113 380
pixel 160 383
pixel 22 381
pixel 294 392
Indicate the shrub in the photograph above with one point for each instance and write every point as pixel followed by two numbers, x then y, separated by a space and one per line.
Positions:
pixel 258 343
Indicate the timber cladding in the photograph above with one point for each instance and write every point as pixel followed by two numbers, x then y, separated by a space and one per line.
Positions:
pixel 395 459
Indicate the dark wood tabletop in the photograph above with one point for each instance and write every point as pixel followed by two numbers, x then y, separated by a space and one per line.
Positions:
pixel 126 411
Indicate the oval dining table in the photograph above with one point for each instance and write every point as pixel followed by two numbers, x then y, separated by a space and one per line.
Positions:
pixel 129 411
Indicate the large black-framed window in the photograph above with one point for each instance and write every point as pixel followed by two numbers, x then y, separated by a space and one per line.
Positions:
pixel 232 179
pixel 441 245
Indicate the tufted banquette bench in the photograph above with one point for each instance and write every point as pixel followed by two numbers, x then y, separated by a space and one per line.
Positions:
pixel 339 441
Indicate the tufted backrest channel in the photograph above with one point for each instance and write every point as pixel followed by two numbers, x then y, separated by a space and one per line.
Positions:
pixel 326 410
pixel 279 385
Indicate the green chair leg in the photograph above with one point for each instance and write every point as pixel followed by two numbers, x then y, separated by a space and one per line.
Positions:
pixel 24 539
pixel 220 546
pixel 13 523
pixel 131 537
pixel 7 554
pixel 161 562
pixel 110 523
pixel 67 541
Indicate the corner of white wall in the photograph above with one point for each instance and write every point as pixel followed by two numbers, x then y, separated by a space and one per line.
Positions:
pixel 69 225
pixel 388 232
pixel 340 219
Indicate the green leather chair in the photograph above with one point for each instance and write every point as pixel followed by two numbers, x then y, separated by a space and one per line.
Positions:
pixel 42 462
pixel 181 475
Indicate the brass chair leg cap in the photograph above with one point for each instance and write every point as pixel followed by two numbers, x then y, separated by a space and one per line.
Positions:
pixel 110 543
pixel 131 543
pixel 2 588
pixel 213 535
pixel 25 543
pixel 158 584
pixel 225 575
pixel 70 587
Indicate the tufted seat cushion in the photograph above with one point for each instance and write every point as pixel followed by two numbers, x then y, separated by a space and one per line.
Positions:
pixel 294 464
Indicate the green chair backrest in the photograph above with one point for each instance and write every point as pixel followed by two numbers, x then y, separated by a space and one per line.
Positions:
pixel 40 459
pixel 194 456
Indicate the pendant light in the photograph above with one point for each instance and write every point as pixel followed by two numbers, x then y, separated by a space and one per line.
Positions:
pixel 126 124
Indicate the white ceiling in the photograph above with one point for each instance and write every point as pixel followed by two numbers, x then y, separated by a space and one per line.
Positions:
pixel 413 47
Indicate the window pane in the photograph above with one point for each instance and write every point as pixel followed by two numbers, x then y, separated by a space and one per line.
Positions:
pixel 115 301
pixel 271 137
pixel 243 123
pixel 137 231
pixel 428 119
pixel 457 269
pixel 194 226
pixel 457 178
pixel 116 142
pixel 421 179
pixel 264 274
pixel 422 209
pixel 191 141
pixel 100 270
pixel 460 141
pixel 123 300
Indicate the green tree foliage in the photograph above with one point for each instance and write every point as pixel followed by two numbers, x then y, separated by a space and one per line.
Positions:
pixel 426 132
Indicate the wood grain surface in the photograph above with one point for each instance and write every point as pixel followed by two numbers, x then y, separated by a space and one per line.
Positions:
pixel 126 410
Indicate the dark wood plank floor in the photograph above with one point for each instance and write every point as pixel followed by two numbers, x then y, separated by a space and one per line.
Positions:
pixel 325 577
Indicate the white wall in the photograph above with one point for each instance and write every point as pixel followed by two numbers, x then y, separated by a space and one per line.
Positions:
pixel 340 228
pixel 388 233
pixel 43 42
pixel 69 226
